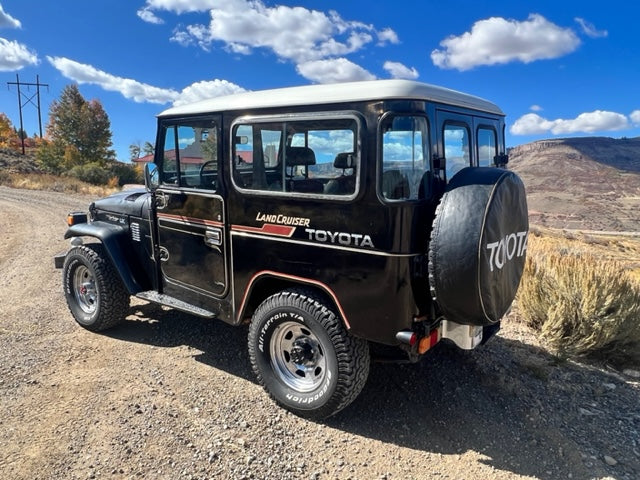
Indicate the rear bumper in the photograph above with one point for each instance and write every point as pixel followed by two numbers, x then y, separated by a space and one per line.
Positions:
pixel 468 337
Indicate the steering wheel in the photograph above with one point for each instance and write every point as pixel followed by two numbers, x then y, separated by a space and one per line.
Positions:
pixel 202 171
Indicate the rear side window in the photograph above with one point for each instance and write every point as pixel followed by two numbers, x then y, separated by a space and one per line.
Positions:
pixel 487 146
pixel 405 157
pixel 456 148
pixel 309 157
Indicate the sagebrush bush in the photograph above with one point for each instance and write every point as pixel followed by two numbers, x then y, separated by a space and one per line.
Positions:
pixel 582 305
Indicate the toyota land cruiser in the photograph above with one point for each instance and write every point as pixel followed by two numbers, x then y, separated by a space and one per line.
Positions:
pixel 330 218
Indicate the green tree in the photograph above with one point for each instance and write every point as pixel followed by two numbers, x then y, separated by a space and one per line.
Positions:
pixel 134 151
pixel 50 156
pixel 148 148
pixel 78 129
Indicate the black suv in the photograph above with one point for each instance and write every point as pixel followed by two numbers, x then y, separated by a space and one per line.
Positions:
pixel 330 218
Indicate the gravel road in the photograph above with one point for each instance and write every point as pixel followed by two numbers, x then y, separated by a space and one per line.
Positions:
pixel 170 396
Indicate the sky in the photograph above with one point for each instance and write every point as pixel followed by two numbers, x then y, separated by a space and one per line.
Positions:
pixel 556 68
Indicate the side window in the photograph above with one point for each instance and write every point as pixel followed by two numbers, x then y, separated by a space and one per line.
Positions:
pixel 487 147
pixel 191 155
pixel 405 158
pixel 456 148
pixel 305 156
pixel 169 165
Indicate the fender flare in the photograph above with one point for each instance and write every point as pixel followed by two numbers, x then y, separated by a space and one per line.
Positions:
pixel 293 280
pixel 112 237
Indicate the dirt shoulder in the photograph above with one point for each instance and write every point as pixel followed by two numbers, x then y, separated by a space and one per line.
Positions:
pixel 167 395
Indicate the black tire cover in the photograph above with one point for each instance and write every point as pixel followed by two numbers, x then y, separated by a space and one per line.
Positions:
pixel 478 245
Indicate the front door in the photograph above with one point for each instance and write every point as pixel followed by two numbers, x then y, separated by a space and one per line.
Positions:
pixel 191 210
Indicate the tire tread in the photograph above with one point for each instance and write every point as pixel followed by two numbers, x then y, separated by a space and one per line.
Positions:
pixel 352 353
pixel 114 298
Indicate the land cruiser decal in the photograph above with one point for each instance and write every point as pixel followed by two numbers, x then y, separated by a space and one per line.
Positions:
pixel 340 238
pixel 512 245
pixel 283 219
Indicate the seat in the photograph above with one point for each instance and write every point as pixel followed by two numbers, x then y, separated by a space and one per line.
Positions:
pixel 344 184
pixel 395 185
pixel 301 157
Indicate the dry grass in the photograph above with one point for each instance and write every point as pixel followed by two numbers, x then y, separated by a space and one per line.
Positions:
pixel 43 181
pixel 583 296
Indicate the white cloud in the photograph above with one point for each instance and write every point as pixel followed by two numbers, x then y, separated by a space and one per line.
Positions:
pixel 206 89
pixel 530 124
pixel 183 6
pixel 148 16
pixel 387 35
pixel 535 108
pixel 398 70
pixel 590 122
pixel 295 34
pixel 131 89
pixel 590 30
pixel 181 38
pixel 15 56
pixel 635 117
pixel 497 41
pixel 333 71
pixel 7 21
pixel 142 92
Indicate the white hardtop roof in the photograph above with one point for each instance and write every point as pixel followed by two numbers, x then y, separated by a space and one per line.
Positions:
pixel 335 93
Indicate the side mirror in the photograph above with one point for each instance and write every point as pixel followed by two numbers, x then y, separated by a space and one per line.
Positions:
pixel 151 176
pixel 501 160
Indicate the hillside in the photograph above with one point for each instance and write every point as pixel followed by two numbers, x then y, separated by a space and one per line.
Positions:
pixel 14 162
pixel 590 183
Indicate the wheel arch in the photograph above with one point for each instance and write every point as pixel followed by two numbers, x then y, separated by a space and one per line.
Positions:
pixel 112 238
pixel 266 283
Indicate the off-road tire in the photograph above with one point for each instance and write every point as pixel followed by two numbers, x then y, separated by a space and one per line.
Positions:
pixel 93 289
pixel 341 362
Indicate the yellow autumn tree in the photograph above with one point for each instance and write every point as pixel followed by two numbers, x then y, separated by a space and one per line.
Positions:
pixel 8 136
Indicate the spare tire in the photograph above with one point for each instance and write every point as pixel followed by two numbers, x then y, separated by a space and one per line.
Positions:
pixel 478 245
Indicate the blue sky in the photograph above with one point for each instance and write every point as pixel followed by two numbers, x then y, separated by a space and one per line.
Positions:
pixel 557 68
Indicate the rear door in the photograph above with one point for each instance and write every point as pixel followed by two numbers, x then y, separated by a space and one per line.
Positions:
pixel 487 131
pixel 191 210
pixel 455 141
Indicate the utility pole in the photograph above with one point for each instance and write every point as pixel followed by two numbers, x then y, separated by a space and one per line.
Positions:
pixel 28 99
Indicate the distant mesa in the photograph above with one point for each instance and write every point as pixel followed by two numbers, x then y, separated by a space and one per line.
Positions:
pixel 586 183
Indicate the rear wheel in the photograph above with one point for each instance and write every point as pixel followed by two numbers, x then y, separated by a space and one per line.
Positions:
pixel 304 357
pixel 93 290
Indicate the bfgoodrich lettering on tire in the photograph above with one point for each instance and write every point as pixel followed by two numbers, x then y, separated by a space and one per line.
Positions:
pixel 93 290
pixel 304 357
pixel 478 245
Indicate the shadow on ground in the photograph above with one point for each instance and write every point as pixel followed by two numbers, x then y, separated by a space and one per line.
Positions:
pixel 510 402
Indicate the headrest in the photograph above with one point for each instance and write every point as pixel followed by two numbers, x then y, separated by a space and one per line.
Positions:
pixel 296 156
pixel 344 160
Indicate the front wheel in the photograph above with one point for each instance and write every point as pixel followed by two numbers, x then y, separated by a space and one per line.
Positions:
pixel 94 292
pixel 304 357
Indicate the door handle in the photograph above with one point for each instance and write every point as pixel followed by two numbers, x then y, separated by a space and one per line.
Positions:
pixel 161 200
pixel 213 237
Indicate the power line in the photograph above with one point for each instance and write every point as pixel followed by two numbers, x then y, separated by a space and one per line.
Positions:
pixel 24 99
